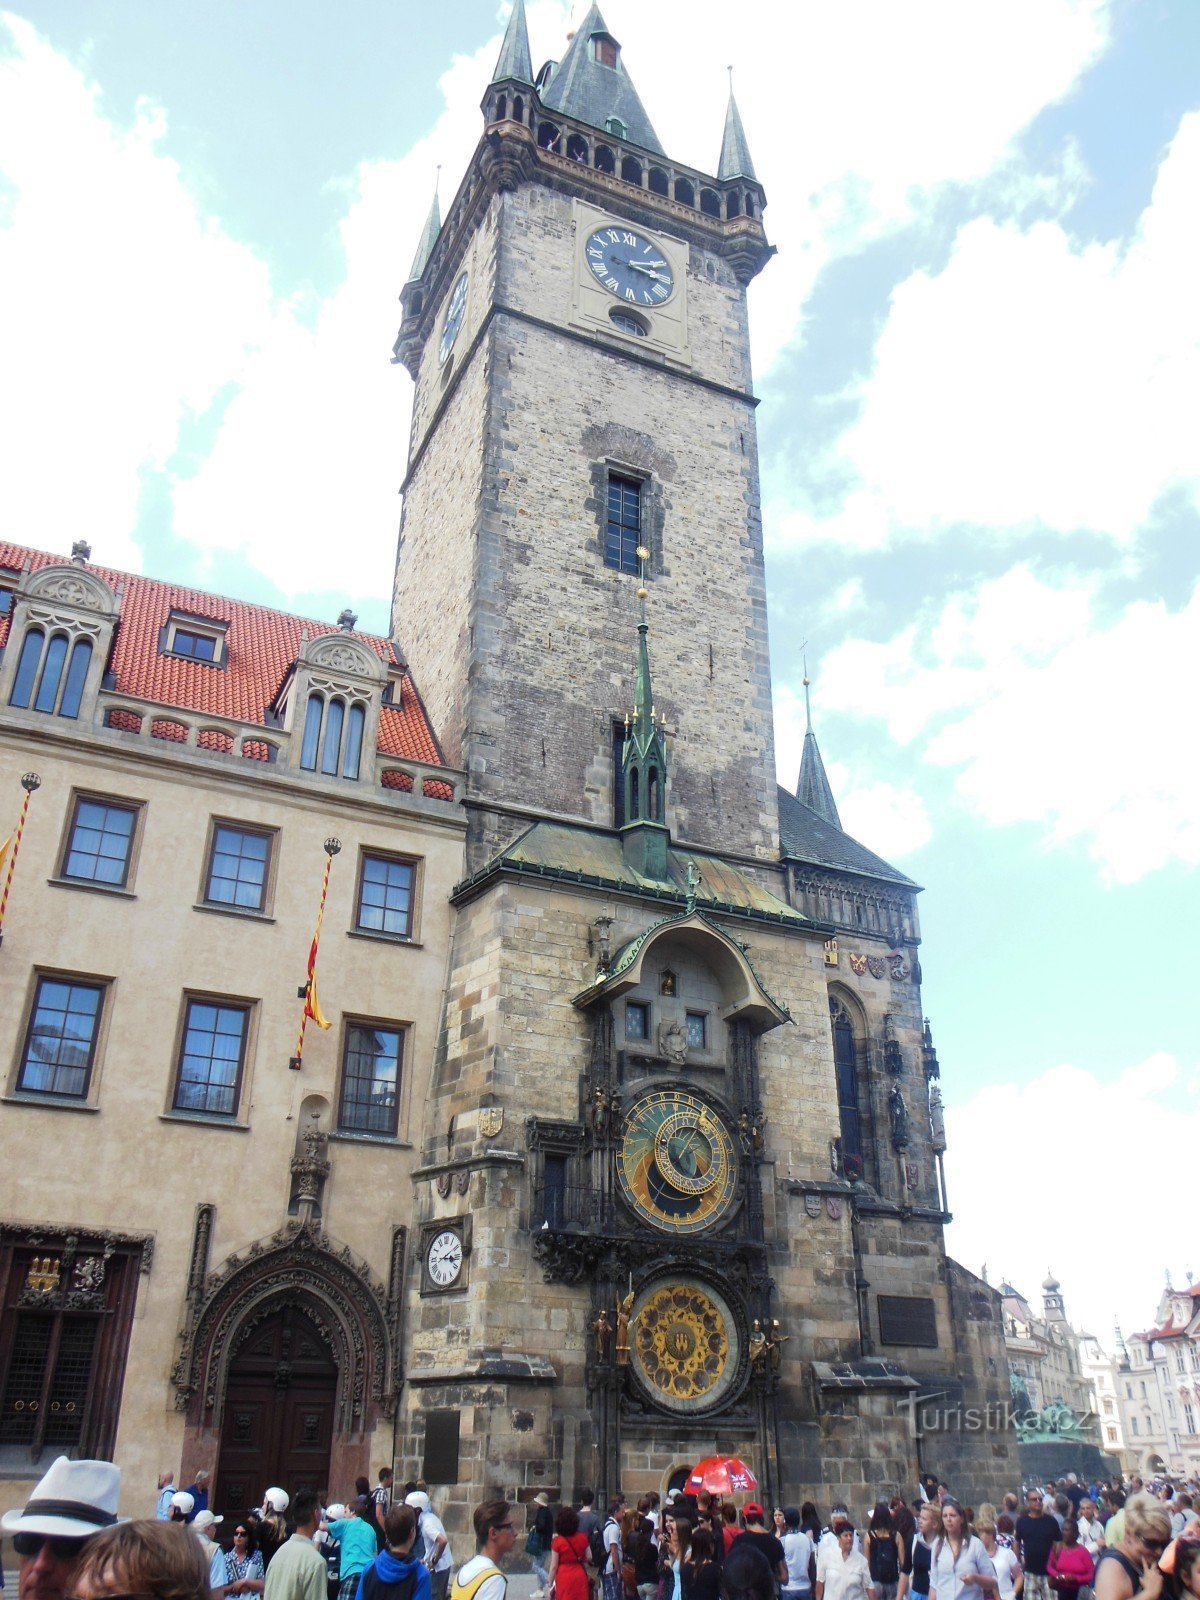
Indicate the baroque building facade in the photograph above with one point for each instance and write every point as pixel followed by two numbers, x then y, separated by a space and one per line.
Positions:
pixel 1158 1387
pixel 624 1147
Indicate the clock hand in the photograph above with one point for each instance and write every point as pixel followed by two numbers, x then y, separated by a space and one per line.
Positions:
pixel 636 266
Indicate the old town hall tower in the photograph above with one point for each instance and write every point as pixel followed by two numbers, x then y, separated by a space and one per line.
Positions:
pixel 677 1190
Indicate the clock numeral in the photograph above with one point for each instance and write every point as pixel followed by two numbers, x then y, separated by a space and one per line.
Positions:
pixel 611 283
pixel 629 238
pixel 614 235
pixel 599 268
pixel 659 291
pixel 629 295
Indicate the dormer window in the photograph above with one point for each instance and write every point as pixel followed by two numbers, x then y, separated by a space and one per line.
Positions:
pixel 194 639
pixel 8 582
pixel 605 50
pixel 616 127
pixel 51 673
pixel 333 736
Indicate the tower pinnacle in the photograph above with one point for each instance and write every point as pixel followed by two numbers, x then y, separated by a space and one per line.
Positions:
pixel 735 159
pixel 644 837
pixel 514 63
pixel 429 237
pixel 813 787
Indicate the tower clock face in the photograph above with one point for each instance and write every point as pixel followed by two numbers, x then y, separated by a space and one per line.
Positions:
pixel 454 316
pixel 629 265
pixel 444 1258
pixel 678 1163
pixel 684 1345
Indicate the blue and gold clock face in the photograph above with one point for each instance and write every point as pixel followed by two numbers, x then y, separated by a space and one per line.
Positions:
pixel 677 1164
pixel 630 265
pixel 454 316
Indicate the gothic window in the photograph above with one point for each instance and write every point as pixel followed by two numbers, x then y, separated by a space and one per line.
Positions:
pixel 371 1065
pixel 548 136
pixel 239 861
pixel 554 1188
pixel 211 1055
pixel 845 1060
pixel 623 529
pixel 51 674
pixel 618 760
pixel 605 160
pixel 685 192
pixel 66 1309
pixel 577 148
pixel 333 735
pixel 386 896
pixel 60 1042
pixel 100 842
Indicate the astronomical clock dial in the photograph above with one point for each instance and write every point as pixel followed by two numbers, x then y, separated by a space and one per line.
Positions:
pixel 684 1346
pixel 629 265
pixel 444 1258
pixel 454 316
pixel 677 1164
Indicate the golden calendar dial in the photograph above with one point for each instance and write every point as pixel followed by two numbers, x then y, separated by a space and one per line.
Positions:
pixel 684 1345
pixel 677 1164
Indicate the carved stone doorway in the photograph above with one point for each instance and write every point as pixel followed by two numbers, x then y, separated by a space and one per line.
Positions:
pixel 280 1399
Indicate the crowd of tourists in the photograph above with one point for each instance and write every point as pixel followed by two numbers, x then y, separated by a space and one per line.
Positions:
pixel 1116 1541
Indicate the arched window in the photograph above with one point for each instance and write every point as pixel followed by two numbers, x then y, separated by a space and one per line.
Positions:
pixel 659 183
pixel 39 679
pixel 312 732
pixel 653 789
pixel 684 192
pixel 631 170
pixel 633 808
pixel 577 148
pixel 605 160
pixel 331 748
pixel 548 136
pixel 355 722
pixel 710 202
pixel 733 204
pixel 333 736
pixel 845 1062
pixel 518 109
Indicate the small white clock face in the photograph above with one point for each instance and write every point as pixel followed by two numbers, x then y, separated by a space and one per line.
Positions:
pixel 629 265
pixel 454 316
pixel 444 1258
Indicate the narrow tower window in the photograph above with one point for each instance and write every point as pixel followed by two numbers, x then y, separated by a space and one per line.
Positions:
pixel 845 1060
pixel 623 532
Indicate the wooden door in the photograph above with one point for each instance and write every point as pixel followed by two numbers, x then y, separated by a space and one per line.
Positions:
pixel 279 1405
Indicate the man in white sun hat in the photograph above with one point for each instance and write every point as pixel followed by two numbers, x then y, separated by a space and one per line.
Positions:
pixel 202 1525
pixel 72 1503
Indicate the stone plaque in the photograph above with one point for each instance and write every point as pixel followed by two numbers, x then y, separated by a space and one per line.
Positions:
pixel 907 1319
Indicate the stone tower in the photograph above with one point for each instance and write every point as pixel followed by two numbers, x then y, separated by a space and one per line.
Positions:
pixel 577 332
pixel 677 1191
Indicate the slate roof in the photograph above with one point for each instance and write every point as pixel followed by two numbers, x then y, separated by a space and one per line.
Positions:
pixel 806 836
pixel 814 787
pixel 514 60
pixel 262 647
pixel 735 159
pixel 425 244
pixel 592 855
pixel 583 89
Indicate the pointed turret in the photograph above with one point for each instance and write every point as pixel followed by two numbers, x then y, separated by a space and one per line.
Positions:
pixel 514 63
pixel 644 836
pixel 813 788
pixel 735 159
pixel 592 86
pixel 429 237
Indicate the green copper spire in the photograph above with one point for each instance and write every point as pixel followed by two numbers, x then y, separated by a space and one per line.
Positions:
pixel 644 836
pixel 735 159
pixel 429 237
pixel 514 62
pixel 813 788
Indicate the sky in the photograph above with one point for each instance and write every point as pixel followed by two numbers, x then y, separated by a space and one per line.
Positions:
pixel 978 357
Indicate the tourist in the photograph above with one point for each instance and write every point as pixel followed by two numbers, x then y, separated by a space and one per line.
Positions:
pixel 569 1575
pixel 706 1571
pixel 381 1504
pixel 800 1554
pixel 1070 1567
pixel 142 1558
pixel 959 1561
pixel 296 1570
pixel 243 1564
pixel 182 1506
pixel 679 1546
pixel 272 1529
pixel 843 1573
pixel 920 1557
pixel 199 1493
pixel 538 1542
pixel 589 1523
pixel 354 1533
pixel 614 1588
pixel 202 1525
pixel 755 1532
pixel 885 1553
pixel 1128 1569
pixel 480 1578
pixel 1003 1558
pixel 1091 1529
pixel 437 1546
pixel 810 1521
pixel 729 1524
pixel 1037 1534
pixel 397 1572
pixel 746 1575
pixel 70 1506
pixel 166 1488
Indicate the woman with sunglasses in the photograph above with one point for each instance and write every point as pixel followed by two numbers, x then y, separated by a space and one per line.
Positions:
pixel 1128 1570
pixel 244 1572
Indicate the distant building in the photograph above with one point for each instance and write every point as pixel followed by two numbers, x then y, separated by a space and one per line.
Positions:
pixel 1158 1387
pixel 1100 1370
pixel 1043 1352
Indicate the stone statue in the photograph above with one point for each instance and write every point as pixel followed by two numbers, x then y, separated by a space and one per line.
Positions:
pixel 898 1112
pixel 758 1347
pixel 599 1113
pixel 937 1118
pixel 835 1157
pixel 673 1041
pixel 746 1133
pixel 602 1328
pixel 614 1114
pixel 624 1313
pixel 776 1342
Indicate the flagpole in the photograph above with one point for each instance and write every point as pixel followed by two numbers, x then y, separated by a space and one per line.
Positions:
pixel 307 990
pixel 29 782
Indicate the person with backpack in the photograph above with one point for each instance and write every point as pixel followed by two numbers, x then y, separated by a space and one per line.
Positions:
pixel 396 1573
pixel 610 1572
pixel 589 1523
pixel 885 1553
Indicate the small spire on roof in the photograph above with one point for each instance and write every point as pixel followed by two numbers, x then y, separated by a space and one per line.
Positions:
pixel 514 62
pixel 81 552
pixel 735 159
pixel 813 785
pixel 429 235
pixel 347 620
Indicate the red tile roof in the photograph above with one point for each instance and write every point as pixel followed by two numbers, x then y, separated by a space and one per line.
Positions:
pixel 262 646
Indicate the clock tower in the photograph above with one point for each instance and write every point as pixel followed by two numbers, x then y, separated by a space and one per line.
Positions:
pixel 641 1217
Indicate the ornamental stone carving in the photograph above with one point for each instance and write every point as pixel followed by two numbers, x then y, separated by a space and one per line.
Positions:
pixel 336 652
pixel 71 586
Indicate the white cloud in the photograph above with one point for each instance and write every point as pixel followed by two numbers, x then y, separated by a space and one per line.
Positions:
pixel 1033 382
pixel 1093 1160
pixel 1049 711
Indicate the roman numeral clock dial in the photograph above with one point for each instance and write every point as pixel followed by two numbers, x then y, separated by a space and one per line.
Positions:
pixel 630 266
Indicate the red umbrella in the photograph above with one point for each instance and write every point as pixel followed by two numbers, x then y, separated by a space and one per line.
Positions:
pixel 721 1475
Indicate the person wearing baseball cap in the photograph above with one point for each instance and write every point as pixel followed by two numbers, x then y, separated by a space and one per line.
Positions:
pixel 202 1525
pixel 71 1504
pixel 756 1534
